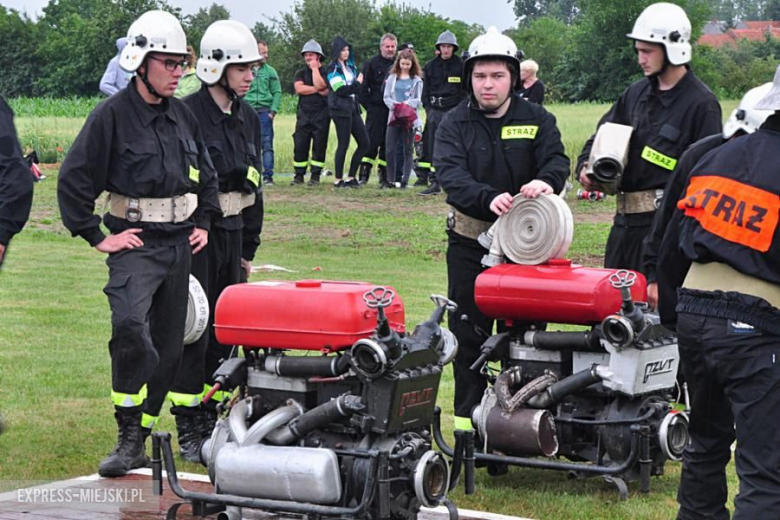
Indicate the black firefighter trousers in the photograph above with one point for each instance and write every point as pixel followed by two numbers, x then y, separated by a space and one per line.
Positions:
pixel 376 126
pixel 216 267
pixel 147 291
pixel 433 119
pixel 734 380
pixel 311 133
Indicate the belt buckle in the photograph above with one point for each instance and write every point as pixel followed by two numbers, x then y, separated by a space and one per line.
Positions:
pixel 174 205
pixel 659 195
pixel 450 220
pixel 133 212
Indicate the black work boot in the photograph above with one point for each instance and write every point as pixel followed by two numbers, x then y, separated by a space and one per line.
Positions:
pixel 188 431
pixel 315 178
pixel 129 450
pixel 365 173
pixel 433 189
pixel 383 182
pixel 422 178
pixel 298 178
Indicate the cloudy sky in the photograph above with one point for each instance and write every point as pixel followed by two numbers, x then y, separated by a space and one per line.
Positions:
pixel 484 12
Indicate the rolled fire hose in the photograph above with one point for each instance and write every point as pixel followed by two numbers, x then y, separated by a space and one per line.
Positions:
pixel 197 312
pixel 608 156
pixel 532 232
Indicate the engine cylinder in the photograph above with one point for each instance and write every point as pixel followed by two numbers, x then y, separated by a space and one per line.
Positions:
pixel 521 432
pixel 310 474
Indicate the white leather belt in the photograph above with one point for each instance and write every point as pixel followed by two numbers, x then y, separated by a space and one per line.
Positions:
pixel 174 209
pixel 639 201
pixel 233 202
pixel 716 276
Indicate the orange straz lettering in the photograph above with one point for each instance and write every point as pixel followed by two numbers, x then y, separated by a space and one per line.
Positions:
pixel 732 210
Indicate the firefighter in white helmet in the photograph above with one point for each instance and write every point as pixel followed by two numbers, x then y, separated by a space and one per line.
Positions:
pixel 490 147
pixel 745 119
pixel 724 241
pixel 231 131
pixel 668 110
pixel 145 149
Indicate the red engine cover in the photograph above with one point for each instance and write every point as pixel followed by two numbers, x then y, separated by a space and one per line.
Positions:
pixel 303 315
pixel 558 292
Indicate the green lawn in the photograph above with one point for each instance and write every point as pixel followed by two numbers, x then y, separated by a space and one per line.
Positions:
pixel 54 321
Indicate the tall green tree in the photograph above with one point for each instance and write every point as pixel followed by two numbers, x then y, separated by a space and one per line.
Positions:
pixel 18 61
pixel 196 24
pixel 529 10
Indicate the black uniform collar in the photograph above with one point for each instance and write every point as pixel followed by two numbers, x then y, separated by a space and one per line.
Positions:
pixel 667 97
pixel 772 123
pixel 146 113
pixel 214 111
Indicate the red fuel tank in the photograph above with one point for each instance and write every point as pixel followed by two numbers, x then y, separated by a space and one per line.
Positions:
pixel 303 315
pixel 557 292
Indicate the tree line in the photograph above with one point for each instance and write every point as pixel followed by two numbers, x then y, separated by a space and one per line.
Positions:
pixel 580 45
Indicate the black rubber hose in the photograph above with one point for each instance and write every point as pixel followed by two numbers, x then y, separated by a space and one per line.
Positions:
pixel 556 392
pixel 325 414
pixel 323 366
pixel 566 340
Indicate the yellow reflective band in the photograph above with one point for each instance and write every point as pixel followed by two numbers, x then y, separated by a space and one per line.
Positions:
pixel 519 132
pixel 303 164
pixel 659 159
pixel 188 400
pixel 424 165
pixel 463 423
pixel 219 395
pixel 253 175
pixel 380 162
pixel 368 160
pixel 129 400
pixel 453 79
pixel 317 163
pixel 194 175
pixel 148 421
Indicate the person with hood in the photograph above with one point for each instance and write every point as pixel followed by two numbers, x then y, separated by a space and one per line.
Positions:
pixel 403 92
pixel 312 124
pixel 345 83
pixel 114 78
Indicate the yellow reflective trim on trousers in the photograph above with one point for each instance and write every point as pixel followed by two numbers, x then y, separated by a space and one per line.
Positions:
pixel 380 162
pixel 129 400
pixel 317 163
pixel 194 175
pixel 425 165
pixel 148 421
pixel 463 423
pixel 303 164
pixel 253 175
pixel 188 400
pixel 368 160
pixel 659 159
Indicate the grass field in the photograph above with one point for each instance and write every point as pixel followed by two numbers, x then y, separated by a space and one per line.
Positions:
pixel 54 320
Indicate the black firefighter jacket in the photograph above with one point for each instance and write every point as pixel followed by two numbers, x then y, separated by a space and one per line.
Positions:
pixel 475 166
pixel 16 180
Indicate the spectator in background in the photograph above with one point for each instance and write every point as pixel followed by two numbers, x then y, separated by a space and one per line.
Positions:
pixel 189 82
pixel 399 150
pixel 114 78
pixel 345 83
pixel 403 93
pixel 16 182
pixel 531 87
pixel 265 96
pixel 312 124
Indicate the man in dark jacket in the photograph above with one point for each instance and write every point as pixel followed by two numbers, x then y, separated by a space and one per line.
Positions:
pixel 441 93
pixel 489 148
pixel 145 148
pixel 729 322
pixel 371 97
pixel 16 181
pixel 231 131
pixel 312 124
pixel 668 110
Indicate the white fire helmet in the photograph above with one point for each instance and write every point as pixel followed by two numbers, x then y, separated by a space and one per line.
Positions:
pixel 224 43
pixel 772 100
pixel 153 31
pixel 492 44
pixel 668 25
pixel 746 116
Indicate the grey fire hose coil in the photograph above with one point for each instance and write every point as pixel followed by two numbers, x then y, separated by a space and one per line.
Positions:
pixel 532 232
pixel 197 312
